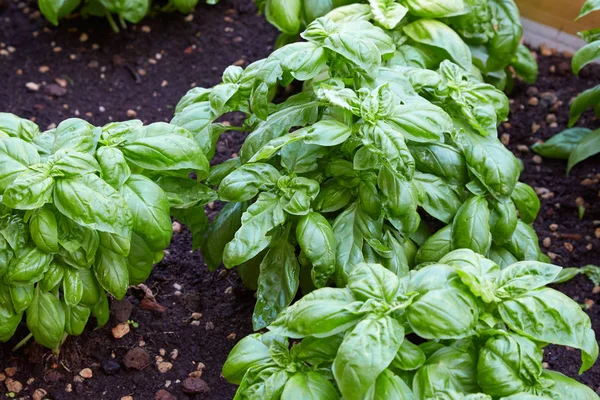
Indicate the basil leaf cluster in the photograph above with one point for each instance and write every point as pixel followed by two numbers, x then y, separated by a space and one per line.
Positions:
pixel 481 330
pixel 132 11
pixel 83 214
pixel 479 35
pixel 343 172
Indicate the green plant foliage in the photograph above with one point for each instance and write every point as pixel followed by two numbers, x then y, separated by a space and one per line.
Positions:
pixel 478 35
pixel 341 173
pixel 132 11
pixel 82 215
pixel 484 328
pixel 578 144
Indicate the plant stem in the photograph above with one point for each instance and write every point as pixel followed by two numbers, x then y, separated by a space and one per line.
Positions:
pixel 22 342
pixel 122 22
pixel 111 21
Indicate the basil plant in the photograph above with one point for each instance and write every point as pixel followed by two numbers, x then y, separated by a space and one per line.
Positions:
pixel 363 165
pixel 132 11
pixel 479 35
pixel 84 213
pixel 461 328
pixel 577 143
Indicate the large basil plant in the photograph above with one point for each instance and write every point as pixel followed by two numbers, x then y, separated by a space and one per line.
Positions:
pixel 479 35
pixel 460 329
pixel 577 143
pixel 362 166
pixel 83 213
pixel 132 11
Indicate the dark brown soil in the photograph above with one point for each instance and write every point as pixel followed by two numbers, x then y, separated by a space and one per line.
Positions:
pixel 574 242
pixel 196 52
pixel 175 56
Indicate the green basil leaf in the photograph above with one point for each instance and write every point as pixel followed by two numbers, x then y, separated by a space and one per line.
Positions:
pixel 15 156
pixel 30 190
pixel 307 386
pixel 92 292
pixel 46 319
pixel 277 283
pixel 421 122
pixel 527 202
pixel 567 388
pixel 436 34
pixel 389 387
pixel 508 33
pixel 101 311
pixel 361 52
pixel 437 8
pixel 91 202
pixel 246 182
pixel 471 226
pixel 503 221
pixel 440 160
pixel 44 230
pixel 524 243
pixel 525 276
pixel 437 197
pixel 149 207
pixel 562 144
pixel 322 313
pixel 372 281
pixel 76 318
pixel 534 315
pixel 72 287
pixel 584 100
pixel 220 232
pixel 525 64
pixel 112 273
pixel 52 277
pixel 436 246
pixel 167 152
pixel 317 240
pixel 388 13
pixel 588 7
pixel 74 134
pixel 115 170
pixel 303 61
pixel 248 352
pixel 587 147
pixel 399 201
pixel 449 368
pixel 409 357
pixel 365 353
pixel 27 266
pixel 285 15
pixel 9 322
pixel 14 126
pixel 140 260
pixel 257 221
pixel 21 296
pixel 427 315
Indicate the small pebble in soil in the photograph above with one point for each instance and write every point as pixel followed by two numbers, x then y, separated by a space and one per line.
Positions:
pixel 195 386
pixel 553 227
pixel 596 289
pixel 86 373
pixel 231 336
pixel 68 388
pixel 13 385
pixel 32 86
pixel 176 227
pixel 43 69
pixel 569 247
pixel 2 377
pixel 174 354
pixel 547 242
pixel 127 398
pixel 121 330
pixel 533 101
pixel 162 394
pixel 39 394
pixel 110 367
pixel 537 159
pixel 131 113
pixel 136 358
pixel 121 310
pixel 197 315
pixel 84 37
pixel 523 148
pixel 10 371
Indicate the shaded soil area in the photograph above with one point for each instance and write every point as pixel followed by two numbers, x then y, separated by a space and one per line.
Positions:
pixel 82 69
pixel 101 77
pixel 537 113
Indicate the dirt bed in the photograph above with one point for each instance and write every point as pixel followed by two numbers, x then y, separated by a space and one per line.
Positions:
pixel 144 71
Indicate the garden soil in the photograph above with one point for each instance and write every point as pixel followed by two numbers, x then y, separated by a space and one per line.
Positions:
pixel 176 346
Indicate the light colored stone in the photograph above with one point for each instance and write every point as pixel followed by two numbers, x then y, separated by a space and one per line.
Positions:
pixel 121 330
pixel 86 373
pixel 84 37
pixel 13 385
pixel 164 366
pixel 39 394
pixel 131 113
pixel 34 87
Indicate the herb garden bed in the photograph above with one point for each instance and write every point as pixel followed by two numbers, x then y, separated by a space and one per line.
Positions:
pixel 145 69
